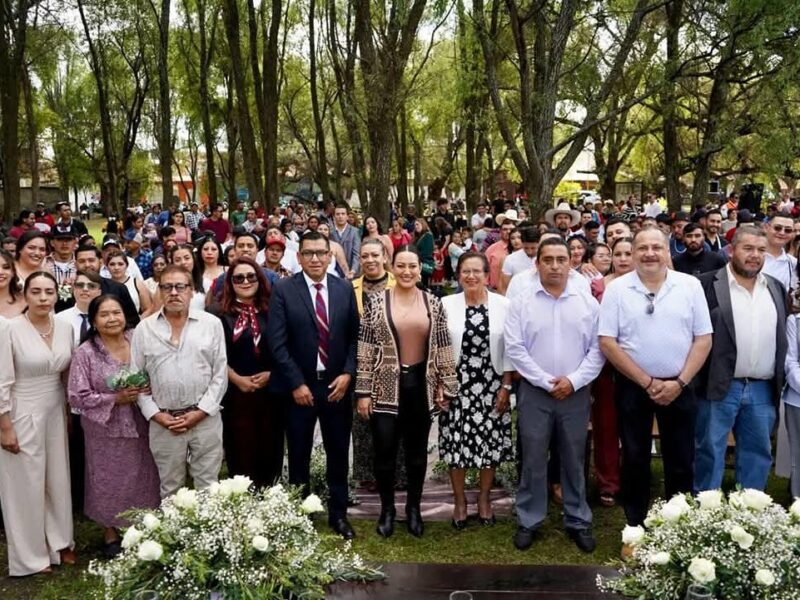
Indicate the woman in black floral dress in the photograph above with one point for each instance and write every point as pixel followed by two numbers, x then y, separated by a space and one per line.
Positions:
pixel 476 430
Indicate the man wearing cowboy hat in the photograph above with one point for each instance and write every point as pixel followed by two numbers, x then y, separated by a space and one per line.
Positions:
pixel 497 252
pixel 563 218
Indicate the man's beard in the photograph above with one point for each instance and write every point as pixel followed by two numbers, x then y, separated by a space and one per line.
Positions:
pixel 740 270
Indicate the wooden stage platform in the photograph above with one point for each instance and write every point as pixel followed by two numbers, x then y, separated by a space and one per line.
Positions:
pixel 478 582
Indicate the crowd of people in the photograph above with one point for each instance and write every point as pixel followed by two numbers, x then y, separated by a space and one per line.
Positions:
pixel 135 363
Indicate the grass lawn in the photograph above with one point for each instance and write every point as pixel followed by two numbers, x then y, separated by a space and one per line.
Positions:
pixel 475 545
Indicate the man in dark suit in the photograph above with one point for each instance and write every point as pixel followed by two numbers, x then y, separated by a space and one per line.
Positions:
pixel 739 387
pixel 313 334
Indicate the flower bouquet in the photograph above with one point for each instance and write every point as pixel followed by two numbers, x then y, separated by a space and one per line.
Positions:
pixel 125 378
pixel 231 542
pixel 745 547
pixel 65 292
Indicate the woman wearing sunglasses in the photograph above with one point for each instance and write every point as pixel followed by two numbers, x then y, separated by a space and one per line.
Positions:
pixel 252 422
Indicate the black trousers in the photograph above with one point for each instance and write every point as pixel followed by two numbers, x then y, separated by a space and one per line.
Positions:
pixel 335 420
pixel 412 424
pixel 77 462
pixel 253 433
pixel 635 412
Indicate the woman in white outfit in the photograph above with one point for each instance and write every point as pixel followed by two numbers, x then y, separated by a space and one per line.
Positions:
pixel 35 351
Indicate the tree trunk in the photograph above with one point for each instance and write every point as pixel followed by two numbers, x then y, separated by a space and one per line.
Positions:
pixel 164 110
pixel 252 169
pixel 401 149
pixel 674 11
pixel 418 193
pixel 12 53
pixel 30 126
pixel 321 168
pixel 271 102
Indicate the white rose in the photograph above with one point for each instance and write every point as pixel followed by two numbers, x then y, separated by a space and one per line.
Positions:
pixel 240 484
pixel 254 524
pixel 741 537
pixel 736 500
pixel 765 577
pixel 794 509
pixel 756 499
pixel 702 570
pixel 260 543
pixel 671 512
pixel 659 558
pixel 149 550
pixel 312 504
pixel 151 521
pixel 185 498
pixel 710 499
pixel 632 535
pixel 132 537
pixel 679 501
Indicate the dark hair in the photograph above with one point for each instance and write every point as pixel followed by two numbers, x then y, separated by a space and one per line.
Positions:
pixel 530 235
pixel 171 220
pixel 406 248
pixel 90 275
pixel 94 307
pixel 9 240
pixel 592 250
pixel 116 254
pixel 472 254
pixel 196 274
pixel 551 242
pixel 364 229
pixel 692 227
pixel 166 232
pixel 34 275
pixel 25 239
pixel 782 214
pixel 93 249
pixel 240 233
pixel 627 239
pixel 214 207
pixel 13 284
pixel 172 268
pixel 313 236
pixel 582 241
pixel 714 211
pixel 315 217
pixel 199 251
pixel 228 299
pixel 615 221
pixel 591 225
pixel 509 247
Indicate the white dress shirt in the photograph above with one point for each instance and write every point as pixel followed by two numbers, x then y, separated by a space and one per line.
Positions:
pixel 313 291
pixel 658 343
pixel 653 210
pixel 72 316
pixel 783 268
pixel 193 372
pixel 549 337
pixel 755 320
pixel 517 262
pixel 288 262
pixel 521 283
pixel 791 395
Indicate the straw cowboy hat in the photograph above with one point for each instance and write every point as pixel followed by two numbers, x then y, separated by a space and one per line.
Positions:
pixel 562 209
pixel 509 215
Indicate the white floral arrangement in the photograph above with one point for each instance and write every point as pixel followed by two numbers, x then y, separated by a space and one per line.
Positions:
pixel 743 547
pixel 230 541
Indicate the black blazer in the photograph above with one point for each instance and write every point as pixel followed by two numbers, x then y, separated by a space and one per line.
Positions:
pixel 293 337
pixel 715 377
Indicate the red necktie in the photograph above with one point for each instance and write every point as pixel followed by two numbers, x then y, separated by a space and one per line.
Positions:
pixel 322 326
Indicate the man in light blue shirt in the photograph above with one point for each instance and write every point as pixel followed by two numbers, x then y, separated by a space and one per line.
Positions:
pixel 551 339
pixel 656 331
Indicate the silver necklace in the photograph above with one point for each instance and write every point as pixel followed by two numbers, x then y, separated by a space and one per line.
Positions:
pixel 47 333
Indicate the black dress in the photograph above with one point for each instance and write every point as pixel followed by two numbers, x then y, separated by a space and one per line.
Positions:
pixel 253 424
pixel 471 432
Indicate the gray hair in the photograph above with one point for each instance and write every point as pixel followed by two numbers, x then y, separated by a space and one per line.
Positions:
pixel 744 230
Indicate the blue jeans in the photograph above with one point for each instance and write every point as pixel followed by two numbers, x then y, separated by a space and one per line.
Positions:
pixel 749 411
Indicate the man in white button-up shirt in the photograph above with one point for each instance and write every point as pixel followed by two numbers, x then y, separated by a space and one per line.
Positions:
pixel 656 331
pixel 740 384
pixel 551 339
pixel 183 352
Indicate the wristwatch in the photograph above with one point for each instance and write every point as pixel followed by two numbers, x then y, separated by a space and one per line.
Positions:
pixel 507 387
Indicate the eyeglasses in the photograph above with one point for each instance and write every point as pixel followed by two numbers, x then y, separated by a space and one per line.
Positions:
pixel 308 254
pixel 651 307
pixel 782 228
pixel 240 278
pixel 86 285
pixel 472 273
pixel 167 288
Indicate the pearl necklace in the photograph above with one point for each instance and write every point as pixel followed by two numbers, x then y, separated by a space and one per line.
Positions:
pixel 47 333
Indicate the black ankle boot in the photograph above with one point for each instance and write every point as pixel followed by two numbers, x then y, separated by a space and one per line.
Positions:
pixel 385 526
pixel 414 523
